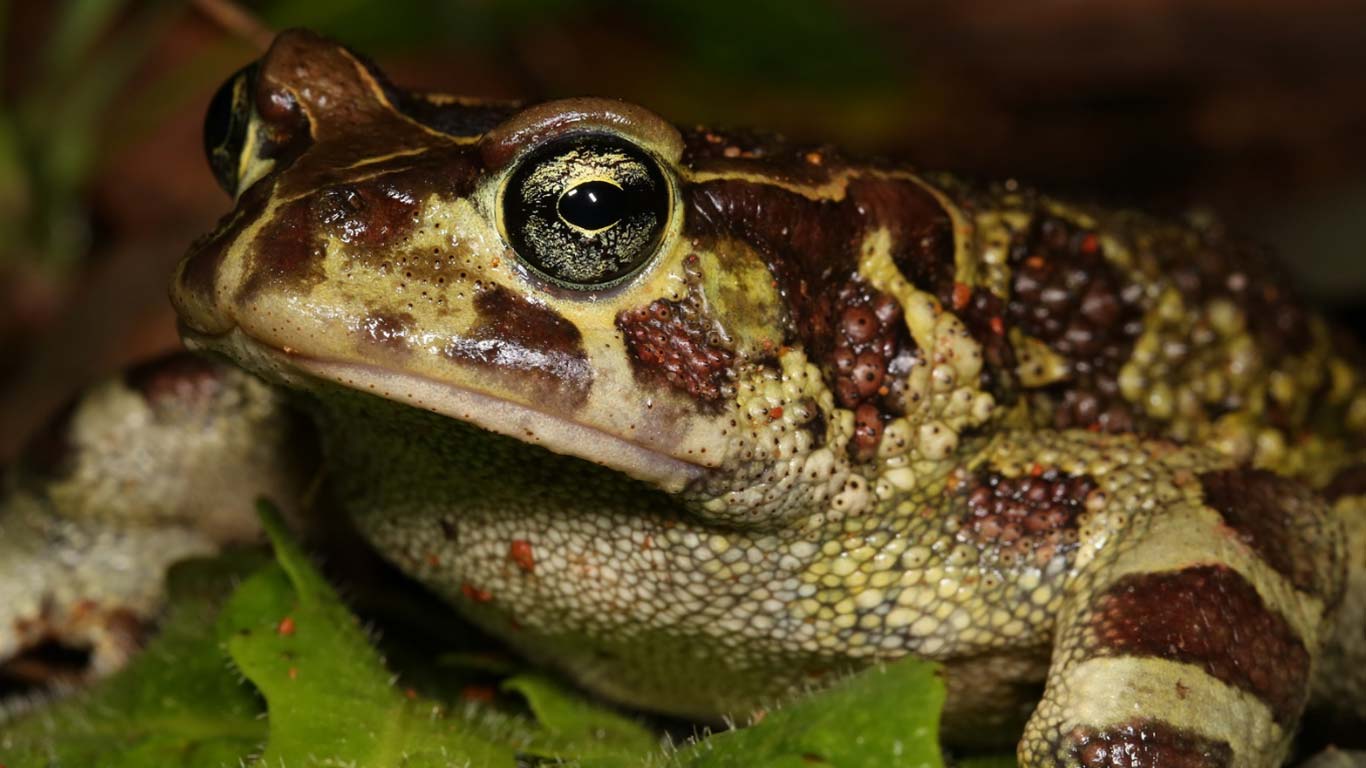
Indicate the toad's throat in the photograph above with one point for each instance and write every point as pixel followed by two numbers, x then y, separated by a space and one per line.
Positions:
pixel 489 412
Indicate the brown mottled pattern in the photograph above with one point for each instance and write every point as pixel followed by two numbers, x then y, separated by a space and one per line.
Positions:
pixel 1033 518
pixel 676 342
pixel 1211 617
pixel 531 347
pixel 812 247
pixel 1145 744
pixel 1066 294
pixel 178 376
pixel 1281 520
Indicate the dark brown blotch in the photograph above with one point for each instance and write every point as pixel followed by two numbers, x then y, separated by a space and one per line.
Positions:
pixel 531 347
pixel 371 215
pixel 387 329
pixel 1145 744
pixel 287 253
pixel 1283 522
pixel 1208 616
pixel 1033 518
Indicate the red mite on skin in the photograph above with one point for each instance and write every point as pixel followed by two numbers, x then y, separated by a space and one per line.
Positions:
pixel 520 553
pixel 474 593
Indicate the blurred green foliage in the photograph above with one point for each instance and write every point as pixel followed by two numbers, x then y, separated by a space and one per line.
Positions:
pixel 52 129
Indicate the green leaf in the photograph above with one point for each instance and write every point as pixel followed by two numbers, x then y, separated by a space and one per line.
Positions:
pixel 575 727
pixel 884 717
pixel 177 704
pixel 331 700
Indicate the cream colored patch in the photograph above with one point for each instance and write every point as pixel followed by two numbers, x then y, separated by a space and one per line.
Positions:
pixel 1111 691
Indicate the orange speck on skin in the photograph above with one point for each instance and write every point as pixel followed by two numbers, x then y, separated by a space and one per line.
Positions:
pixel 776 412
pixel 496 261
pixel 1034 262
pixel 519 552
pixel 648 543
pixel 814 158
pixel 293 673
pixel 285 627
pixel 474 593
pixel 998 326
pixel 1035 469
pixel 409 693
pixel 962 294
pixel 1090 243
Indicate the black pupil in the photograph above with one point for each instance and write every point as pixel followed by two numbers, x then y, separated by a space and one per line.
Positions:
pixel 593 205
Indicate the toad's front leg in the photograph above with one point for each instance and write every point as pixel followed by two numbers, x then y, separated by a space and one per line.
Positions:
pixel 1192 644
pixel 144 469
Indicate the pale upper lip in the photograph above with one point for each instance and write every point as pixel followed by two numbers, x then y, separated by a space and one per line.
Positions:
pixel 486 411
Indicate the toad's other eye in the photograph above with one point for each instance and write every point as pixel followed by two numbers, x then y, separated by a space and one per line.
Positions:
pixel 586 211
pixel 225 127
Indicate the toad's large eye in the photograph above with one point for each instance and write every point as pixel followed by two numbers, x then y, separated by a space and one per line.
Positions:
pixel 586 211
pixel 225 127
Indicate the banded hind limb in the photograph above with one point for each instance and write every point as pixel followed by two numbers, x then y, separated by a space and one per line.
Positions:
pixel 1194 644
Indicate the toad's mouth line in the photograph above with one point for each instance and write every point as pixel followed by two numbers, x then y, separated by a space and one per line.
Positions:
pixel 489 412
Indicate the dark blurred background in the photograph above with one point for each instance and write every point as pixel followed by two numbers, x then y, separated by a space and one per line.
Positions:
pixel 1254 110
